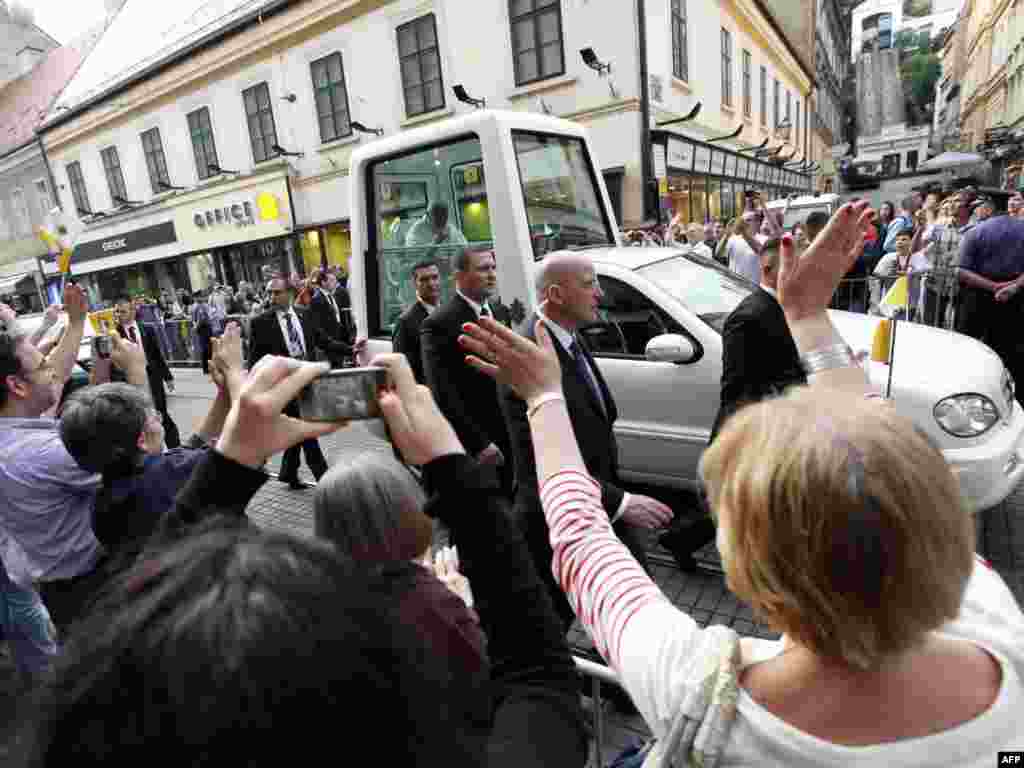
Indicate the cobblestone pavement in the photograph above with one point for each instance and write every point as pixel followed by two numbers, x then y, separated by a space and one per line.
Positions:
pixel 703 595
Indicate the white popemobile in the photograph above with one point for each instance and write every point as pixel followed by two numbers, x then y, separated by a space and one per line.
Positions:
pixel 526 185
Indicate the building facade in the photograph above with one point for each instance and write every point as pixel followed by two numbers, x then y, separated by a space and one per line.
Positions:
pixel 882 20
pixel 832 68
pixel 946 134
pixel 215 148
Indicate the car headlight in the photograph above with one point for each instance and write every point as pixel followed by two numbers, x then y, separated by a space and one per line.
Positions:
pixel 967 415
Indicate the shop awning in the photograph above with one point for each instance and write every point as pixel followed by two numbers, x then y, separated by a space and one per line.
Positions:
pixel 10 284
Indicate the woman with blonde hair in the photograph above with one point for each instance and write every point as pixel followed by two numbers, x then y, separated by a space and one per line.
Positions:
pixel 840 523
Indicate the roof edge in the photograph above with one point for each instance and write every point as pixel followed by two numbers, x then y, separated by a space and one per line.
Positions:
pixel 233 28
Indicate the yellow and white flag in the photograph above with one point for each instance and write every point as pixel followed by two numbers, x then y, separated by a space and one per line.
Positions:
pixel 898 295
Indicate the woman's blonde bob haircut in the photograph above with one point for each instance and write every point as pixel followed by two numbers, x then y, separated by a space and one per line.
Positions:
pixel 840 523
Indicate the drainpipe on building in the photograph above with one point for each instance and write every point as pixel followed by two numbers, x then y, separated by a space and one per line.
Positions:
pixel 651 206
pixel 49 171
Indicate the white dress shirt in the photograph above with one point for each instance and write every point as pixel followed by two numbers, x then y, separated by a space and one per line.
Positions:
pixel 476 307
pixel 138 336
pixel 300 352
pixel 334 305
pixel 567 339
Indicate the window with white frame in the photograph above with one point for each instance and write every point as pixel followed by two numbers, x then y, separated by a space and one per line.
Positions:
pixel 537 39
pixel 331 97
pixel 112 170
pixel 680 55
pixel 420 61
pixel 78 191
pixel 19 212
pixel 746 83
pixel 259 116
pixel 203 146
pixel 44 197
pixel 156 162
pixel 726 68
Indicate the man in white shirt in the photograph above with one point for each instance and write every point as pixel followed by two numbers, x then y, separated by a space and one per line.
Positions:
pixel 159 373
pixel 468 398
pixel 569 292
pixel 279 331
pixel 903 262
pixel 695 234
pixel 426 277
pixel 742 250
pixel 434 229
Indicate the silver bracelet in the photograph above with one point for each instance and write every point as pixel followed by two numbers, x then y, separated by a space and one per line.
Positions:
pixel 827 358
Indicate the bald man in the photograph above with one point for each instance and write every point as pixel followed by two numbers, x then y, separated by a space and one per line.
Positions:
pixel 568 293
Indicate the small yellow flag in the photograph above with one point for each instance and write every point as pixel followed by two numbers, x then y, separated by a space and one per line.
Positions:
pixel 64 261
pixel 103 321
pixel 882 342
pixel 47 237
pixel 898 295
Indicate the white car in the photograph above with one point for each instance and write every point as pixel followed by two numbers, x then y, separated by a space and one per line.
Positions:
pixel 660 349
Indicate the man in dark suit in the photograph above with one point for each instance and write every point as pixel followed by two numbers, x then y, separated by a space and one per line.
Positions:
pixel 278 331
pixel 157 369
pixel 468 398
pixel 759 360
pixel 344 302
pixel 328 323
pixel 568 293
pixel 426 277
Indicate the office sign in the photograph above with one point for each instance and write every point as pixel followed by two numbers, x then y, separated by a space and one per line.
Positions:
pixel 126 242
pixel 259 211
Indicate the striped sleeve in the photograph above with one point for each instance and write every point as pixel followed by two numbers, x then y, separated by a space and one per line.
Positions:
pixel 604 583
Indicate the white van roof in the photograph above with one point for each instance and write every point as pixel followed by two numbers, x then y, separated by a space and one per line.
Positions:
pixel 806 200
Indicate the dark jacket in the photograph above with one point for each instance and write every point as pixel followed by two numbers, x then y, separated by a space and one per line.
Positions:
pixel 592 425
pixel 467 398
pixel 759 356
pixel 268 338
pixel 330 334
pixel 535 712
pixel 406 338
pixel 157 369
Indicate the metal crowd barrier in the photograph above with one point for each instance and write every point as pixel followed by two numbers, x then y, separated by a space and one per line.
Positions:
pixel 938 296
pixel 598 673
pixel 180 343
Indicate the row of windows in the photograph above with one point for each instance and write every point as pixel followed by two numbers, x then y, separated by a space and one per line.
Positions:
pixel 745 73
pixel 538 54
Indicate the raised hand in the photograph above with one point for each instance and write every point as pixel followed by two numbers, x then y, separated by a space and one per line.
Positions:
pixel 128 356
pixel 418 429
pixel 76 303
pixel 807 282
pixel 645 512
pixel 256 428
pixel 446 568
pixel 501 353
pixel 226 359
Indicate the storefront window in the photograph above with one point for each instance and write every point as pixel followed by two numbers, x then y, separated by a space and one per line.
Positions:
pixel 309 242
pixel 339 246
pixel 698 199
pixel 201 271
pixel 679 198
pixel 714 211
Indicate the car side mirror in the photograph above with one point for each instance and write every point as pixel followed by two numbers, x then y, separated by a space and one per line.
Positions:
pixel 670 348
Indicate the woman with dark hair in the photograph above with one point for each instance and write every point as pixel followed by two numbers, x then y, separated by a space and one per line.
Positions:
pixel 217 648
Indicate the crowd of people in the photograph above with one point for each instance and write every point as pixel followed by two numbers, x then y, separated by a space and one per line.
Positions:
pixel 150 617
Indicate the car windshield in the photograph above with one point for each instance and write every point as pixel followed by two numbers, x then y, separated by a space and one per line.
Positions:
pixel 563 201
pixel 702 286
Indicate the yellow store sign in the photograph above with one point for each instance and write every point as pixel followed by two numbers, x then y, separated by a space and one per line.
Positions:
pixel 256 212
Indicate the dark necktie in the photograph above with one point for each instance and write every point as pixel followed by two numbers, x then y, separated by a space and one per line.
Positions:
pixel 334 306
pixel 132 335
pixel 584 372
pixel 293 335
pixel 485 311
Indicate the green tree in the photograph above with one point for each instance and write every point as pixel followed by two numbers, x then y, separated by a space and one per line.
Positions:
pixel 921 73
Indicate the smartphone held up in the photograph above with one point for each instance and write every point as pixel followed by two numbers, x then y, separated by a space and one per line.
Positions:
pixel 345 394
